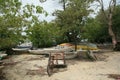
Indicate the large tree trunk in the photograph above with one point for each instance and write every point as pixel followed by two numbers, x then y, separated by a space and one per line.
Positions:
pixel 111 33
pixel 111 8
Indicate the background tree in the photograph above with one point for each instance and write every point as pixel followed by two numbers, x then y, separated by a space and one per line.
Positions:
pixel 116 23
pixel 72 19
pixel 10 23
pixel 44 34
pixel 13 18
pixel 109 17
pixel 96 29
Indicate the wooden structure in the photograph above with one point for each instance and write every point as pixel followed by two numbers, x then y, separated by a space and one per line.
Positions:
pixel 56 60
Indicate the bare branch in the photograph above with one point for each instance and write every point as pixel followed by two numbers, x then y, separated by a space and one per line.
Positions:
pixel 112 5
pixel 102 8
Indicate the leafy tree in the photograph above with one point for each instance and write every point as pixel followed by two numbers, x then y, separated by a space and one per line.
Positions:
pixel 13 18
pixel 116 23
pixel 72 19
pixel 10 23
pixel 95 31
pixel 109 17
pixel 44 34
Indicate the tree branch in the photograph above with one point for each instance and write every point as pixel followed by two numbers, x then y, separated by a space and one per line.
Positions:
pixel 102 8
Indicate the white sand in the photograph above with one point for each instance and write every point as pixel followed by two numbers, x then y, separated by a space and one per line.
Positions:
pixel 80 70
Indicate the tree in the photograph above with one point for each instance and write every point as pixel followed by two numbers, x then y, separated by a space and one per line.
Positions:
pixel 44 34
pixel 10 23
pixel 109 17
pixel 72 19
pixel 116 23
pixel 116 28
pixel 13 18
pixel 95 30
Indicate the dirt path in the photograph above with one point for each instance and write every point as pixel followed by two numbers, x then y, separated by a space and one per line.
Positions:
pixel 33 67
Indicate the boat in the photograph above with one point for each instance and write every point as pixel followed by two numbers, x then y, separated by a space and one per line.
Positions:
pixel 49 50
pixel 2 54
pixel 20 49
pixel 70 55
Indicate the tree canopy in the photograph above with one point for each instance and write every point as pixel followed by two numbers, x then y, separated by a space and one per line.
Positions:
pixel 96 29
pixel 13 18
pixel 71 20
pixel 10 22
pixel 44 34
pixel 71 24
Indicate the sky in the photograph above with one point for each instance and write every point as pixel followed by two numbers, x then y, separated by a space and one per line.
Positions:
pixel 51 5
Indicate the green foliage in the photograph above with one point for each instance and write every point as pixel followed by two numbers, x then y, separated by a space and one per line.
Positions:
pixel 95 32
pixel 44 34
pixel 39 9
pixel 72 19
pixel 116 22
pixel 13 18
pixel 10 23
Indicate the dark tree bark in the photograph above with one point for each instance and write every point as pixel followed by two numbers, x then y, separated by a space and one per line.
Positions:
pixel 64 5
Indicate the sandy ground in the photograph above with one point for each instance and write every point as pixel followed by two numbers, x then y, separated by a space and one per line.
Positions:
pixel 33 67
